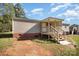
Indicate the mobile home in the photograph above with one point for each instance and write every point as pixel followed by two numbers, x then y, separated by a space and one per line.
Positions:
pixel 25 28
pixel 66 28
pixel 28 28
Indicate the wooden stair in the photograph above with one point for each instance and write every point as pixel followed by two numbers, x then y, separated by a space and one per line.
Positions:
pixel 57 34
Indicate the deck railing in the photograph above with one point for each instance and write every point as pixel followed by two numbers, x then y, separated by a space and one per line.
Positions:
pixel 55 33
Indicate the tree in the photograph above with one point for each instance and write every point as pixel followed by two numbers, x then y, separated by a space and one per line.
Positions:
pixel 7 23
pixel 1 17
pixel 7 16
pixel 1 23
pixel 7 12
pixel 1 9
pixel 19 12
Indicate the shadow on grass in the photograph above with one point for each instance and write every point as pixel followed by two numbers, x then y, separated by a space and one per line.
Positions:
pixel 6 35
pixel 43 39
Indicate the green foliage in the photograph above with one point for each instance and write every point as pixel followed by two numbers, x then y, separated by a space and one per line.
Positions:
pixel 7 23
pixel 7 12
pixel 6 17
pixel 19 12
pixel 0 26
pixel 0 23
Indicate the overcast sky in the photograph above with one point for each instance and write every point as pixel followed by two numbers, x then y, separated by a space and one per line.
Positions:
pixel 68 12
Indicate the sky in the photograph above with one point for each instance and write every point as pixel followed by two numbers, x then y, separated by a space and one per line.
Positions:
pixel 67 11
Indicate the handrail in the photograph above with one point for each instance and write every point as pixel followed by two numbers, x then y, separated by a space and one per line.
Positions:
pixel 70 39
pixel 65 37
pixel 60 29
pixel 64 34
pixel 54 29
pixel 55 33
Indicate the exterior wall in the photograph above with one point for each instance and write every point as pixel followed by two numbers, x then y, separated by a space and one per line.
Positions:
pixel 78 30
pixel 44 27
pixel 25 29
pixel 65 28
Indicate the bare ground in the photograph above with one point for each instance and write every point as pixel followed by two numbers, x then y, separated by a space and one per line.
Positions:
pixel 27 48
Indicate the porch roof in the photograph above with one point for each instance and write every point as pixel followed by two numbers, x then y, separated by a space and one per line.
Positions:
pixel 51 19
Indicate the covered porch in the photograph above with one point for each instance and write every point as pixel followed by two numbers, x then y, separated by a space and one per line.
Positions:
pixel 47 24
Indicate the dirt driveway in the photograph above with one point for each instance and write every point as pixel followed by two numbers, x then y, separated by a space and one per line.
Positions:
pixel 27 48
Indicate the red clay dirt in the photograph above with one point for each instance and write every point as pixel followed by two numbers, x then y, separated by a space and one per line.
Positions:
pixel 27 48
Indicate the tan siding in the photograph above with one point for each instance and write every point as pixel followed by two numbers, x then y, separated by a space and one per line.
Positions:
pixel 78 28
pixel 65 29
pixel 26 27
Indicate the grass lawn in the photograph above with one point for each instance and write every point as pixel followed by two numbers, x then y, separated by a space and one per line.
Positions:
pixel 76 39
pixel 57 49
pixel 5 43
pixel 5 32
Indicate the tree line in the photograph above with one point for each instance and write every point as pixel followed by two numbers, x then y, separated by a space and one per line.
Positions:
pixel 7 12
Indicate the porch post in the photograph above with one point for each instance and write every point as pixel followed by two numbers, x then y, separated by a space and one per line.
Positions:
pixel 48 29
pixel 41 30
